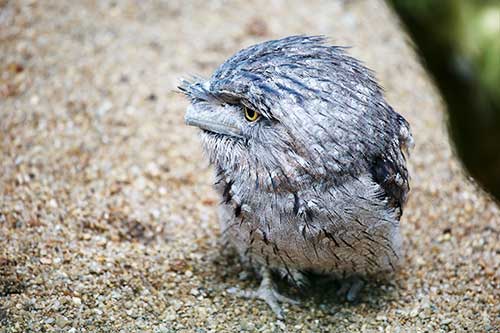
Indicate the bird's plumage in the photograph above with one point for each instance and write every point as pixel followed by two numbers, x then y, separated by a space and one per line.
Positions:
pixel 319 181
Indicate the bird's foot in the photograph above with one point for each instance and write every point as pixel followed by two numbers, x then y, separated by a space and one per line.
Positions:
pixel 267 292
pixel 350 289
pixel 295 277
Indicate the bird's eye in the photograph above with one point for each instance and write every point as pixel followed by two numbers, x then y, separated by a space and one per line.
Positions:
pixel 250 114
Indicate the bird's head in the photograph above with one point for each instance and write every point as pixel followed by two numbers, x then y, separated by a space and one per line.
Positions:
pixel 284 113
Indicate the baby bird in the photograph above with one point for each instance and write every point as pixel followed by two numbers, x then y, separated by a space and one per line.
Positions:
pixel 309 161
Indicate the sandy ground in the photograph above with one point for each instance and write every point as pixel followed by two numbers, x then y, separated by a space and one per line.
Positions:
pixel 107 216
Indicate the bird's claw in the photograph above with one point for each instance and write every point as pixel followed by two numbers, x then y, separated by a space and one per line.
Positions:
pixel 350 289
pixel 266 292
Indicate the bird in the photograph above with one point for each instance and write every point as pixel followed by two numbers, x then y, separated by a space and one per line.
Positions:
pixel 309 161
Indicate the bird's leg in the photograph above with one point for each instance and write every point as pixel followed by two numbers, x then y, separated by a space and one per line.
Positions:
pixel 267 292
pixel 295 277
pixel 351 288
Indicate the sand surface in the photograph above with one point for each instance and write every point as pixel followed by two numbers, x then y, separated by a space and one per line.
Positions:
pixel 107 216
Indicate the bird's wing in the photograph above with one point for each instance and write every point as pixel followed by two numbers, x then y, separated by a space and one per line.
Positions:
pixel 389 170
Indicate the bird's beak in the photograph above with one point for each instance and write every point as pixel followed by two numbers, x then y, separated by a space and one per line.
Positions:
pixel 211 120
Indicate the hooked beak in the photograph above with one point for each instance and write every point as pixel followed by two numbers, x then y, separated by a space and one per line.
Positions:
pixel 211 121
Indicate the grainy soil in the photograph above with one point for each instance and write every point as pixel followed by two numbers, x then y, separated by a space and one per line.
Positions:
pixel 107 216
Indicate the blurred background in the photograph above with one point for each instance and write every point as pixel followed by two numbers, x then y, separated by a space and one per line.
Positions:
pixel 459 41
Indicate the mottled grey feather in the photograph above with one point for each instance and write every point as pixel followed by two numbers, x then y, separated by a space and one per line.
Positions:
pixel 318 183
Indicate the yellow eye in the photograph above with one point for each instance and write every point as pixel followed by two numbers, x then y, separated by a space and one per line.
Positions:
pixel 250 114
